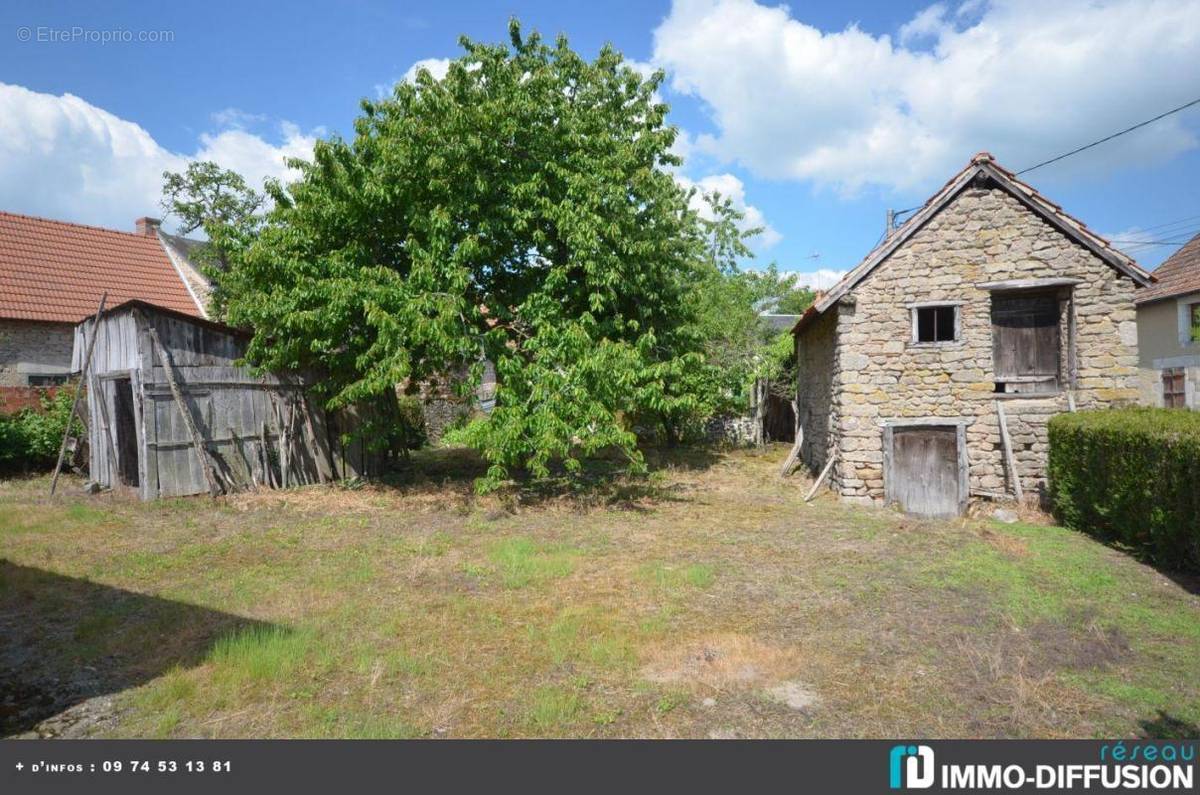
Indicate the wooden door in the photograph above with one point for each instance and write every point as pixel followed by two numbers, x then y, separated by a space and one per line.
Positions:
pixel 924 471
pixel 125 432
pixel 1025 341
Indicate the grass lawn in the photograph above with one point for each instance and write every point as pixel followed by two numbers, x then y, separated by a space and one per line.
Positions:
pixel 706 601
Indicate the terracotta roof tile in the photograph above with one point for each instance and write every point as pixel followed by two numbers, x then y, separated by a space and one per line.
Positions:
pixel 1178 275
pixel 56 271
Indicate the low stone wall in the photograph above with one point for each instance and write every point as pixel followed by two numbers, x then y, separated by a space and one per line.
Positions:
pixel 440 413
pixel 736 430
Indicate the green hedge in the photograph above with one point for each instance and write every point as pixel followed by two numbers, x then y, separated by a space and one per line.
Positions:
pixel 1132 476
pixel 29 439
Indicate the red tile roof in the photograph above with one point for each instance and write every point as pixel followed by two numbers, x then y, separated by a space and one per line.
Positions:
pixel 56 271
pixel 1178 275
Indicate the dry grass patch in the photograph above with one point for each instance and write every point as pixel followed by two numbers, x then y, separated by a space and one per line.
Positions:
pixel 705 600
pixel 718 661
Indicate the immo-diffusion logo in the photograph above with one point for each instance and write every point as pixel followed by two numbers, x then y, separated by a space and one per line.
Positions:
pixel 911 767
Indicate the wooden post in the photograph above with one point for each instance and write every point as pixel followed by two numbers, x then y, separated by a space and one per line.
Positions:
pixel 1009 461
pixel 794 455
pixel 210 477
pixel 87 360
pixel 821 478
pixel 320 454
pixel 268 473
pixel 283 446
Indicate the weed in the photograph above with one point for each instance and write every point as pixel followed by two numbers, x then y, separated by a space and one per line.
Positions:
pixel 521 561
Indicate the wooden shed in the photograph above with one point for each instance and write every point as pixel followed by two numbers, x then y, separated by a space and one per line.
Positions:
pixel 171 413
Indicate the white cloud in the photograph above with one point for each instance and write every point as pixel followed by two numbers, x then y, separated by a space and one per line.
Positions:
pixel 62 157
pixel 236 117
pixel 821 279
pixel 1023 79
pixel 732 188
pixel 438 68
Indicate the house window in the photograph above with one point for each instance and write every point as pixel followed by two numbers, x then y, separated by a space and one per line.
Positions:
pixel 1026 341
pixel 1174 389
pixel 46 380
pixel 1194 316
pixel 935 323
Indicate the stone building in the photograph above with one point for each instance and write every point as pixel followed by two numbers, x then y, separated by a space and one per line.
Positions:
pixel 52 275
pixel 1168 318
pixel 929 372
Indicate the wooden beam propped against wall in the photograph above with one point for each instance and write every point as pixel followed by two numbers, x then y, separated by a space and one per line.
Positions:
pixel 1010 462
pixel 87 360
pixel 210 475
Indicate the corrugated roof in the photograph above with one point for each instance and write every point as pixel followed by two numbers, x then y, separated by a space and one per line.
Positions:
pixel 56 271
pixel 1178 275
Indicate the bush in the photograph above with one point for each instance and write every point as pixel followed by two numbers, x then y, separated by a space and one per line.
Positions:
pixel 29 439
pixel 1131 476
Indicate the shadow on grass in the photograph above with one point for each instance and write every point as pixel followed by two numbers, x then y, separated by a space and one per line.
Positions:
pixel 64 640
pixel 1168 727
pixel 603 480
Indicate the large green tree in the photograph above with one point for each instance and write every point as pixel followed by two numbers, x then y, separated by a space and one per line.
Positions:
pixel 523 209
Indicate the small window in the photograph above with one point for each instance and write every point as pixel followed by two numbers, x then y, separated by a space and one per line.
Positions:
pixel 935 324
pixel 1174 391
pixel 46 380
pixel 1194 316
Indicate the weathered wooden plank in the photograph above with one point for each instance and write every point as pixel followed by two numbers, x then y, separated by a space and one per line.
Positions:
pixel 75 400
pixel 1010 462
pixel 209 474
pixel 821 478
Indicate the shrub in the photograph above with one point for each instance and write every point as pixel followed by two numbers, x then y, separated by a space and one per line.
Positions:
pixel 1131 476
pixel 30 439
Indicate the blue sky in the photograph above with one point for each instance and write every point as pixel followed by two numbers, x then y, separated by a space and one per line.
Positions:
pixel 818 117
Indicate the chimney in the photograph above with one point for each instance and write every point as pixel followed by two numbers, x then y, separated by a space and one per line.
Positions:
pixel 147 226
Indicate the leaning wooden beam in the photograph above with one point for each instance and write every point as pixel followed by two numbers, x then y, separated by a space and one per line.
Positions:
pixel 87 360
pixel 206 466
pixel 321 455
pixel 821 478
pixel 1009 461
pixel 794 455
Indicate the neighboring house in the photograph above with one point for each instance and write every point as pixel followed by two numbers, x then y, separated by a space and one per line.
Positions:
pixel 52 275
pixel 1168 318
pixel 989 302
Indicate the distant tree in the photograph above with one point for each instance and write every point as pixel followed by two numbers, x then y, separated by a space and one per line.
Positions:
pixel 521 208
pixel 780 292
pixel 219 203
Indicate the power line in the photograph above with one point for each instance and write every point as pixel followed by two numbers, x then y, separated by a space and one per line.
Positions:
pixel 1178 221
pixel 897 213
pixel 1107 138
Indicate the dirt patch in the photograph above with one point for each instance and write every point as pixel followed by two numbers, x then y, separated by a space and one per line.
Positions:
pixel 719 661
pixel 1009 545
pixel 793 695
pixel 1057 645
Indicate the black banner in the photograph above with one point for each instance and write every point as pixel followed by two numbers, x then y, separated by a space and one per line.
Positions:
pixel 825 766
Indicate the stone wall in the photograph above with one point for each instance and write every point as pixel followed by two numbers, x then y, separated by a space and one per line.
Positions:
pixel 816 365
pixel 28 346
pixel 984 235
pixel 733 430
